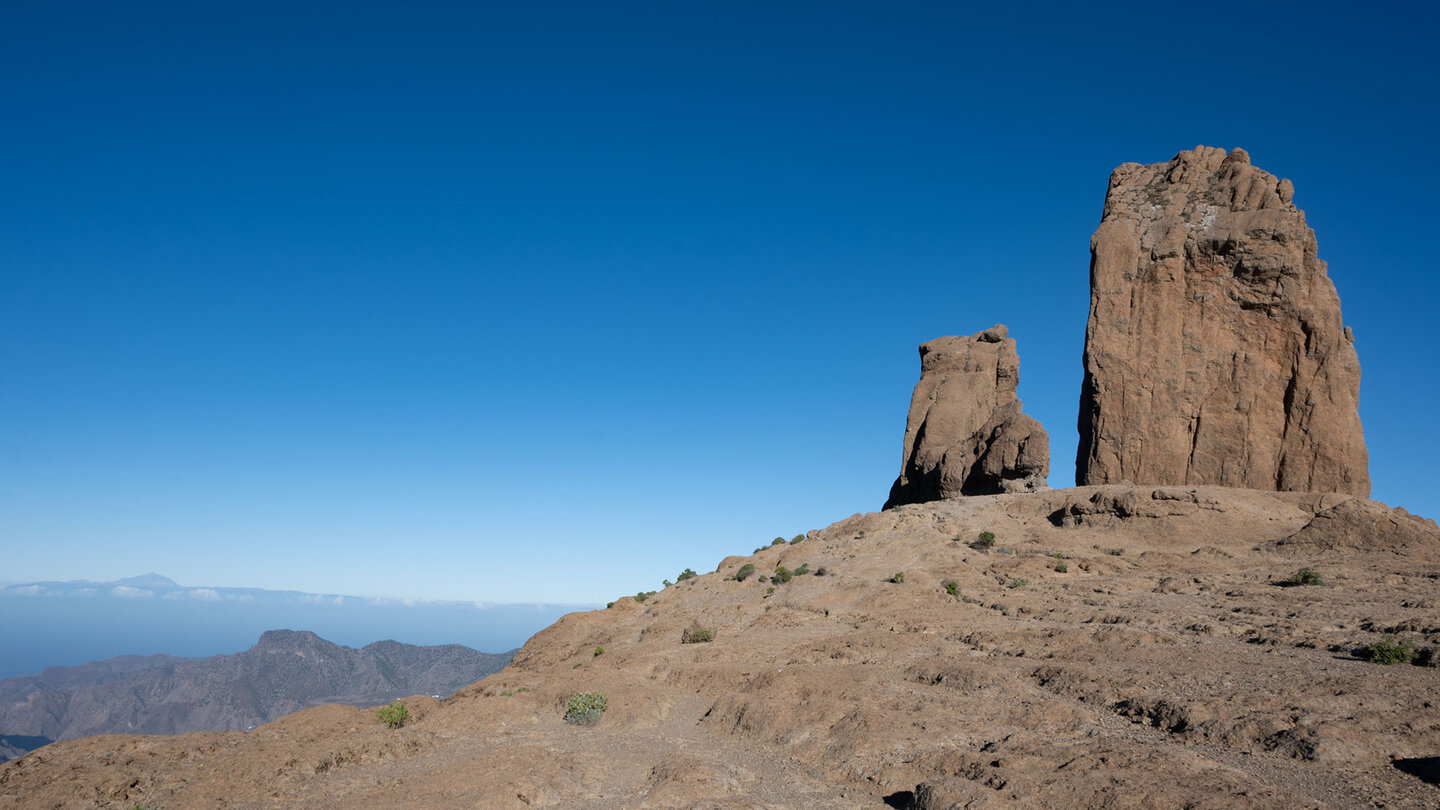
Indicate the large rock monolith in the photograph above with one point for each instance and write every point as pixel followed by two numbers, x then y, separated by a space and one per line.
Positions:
pixel 965 434
pixel 1215 352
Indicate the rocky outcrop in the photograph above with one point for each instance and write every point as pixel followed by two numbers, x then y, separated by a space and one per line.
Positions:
pixel 1215 352
pixel 1361 525
pixel 965 434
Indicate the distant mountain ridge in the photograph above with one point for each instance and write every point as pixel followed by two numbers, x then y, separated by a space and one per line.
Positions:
pixel 286 670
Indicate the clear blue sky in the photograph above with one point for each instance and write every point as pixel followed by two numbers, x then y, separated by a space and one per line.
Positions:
pixel 548 301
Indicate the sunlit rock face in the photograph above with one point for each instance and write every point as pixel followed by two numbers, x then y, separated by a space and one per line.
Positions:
pixel 1215 352
pixel 965 434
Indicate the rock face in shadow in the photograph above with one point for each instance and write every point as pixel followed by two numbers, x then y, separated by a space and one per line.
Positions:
pixel 965 434
pixel 1215 352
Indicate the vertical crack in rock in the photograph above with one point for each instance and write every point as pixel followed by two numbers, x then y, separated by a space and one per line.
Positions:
pixel 1252 337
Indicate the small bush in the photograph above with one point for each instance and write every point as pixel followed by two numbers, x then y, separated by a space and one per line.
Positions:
pixel 585 708
pixel 952 587
pixel 763 578
pixel 643 595
pixel 1391 650
pixel 686 574
pixel 518 691
pixel 696 636
pixel 898 576
pixel 393 716
pixel 745 571
pixel 599 651
pixel 1017 583
pixel 769 590
pixel 1305 576
pixel 802 570
pixel 609 605
pixel 782 574
pixel 1061 568
pixel 984 542
pixel 797 538
pixel 779 541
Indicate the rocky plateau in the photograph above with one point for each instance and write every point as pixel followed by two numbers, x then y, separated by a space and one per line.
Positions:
pixel 1116 647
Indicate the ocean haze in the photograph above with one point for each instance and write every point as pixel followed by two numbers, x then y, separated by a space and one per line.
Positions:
pixel 49 624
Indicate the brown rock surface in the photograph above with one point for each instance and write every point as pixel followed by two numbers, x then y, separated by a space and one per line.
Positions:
pixel 1165 667
pixel 965 434
pixel 1215 352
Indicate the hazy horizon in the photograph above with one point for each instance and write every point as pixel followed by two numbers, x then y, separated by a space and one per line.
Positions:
pixel 73 623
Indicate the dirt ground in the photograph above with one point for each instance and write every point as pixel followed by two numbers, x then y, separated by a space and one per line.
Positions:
pixel 1116 647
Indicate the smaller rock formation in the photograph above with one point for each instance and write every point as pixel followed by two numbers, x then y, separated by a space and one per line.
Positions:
pixel 966 434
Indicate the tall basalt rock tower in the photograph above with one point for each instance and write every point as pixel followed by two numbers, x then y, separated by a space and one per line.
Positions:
pixel 1215 352
pixel 965 434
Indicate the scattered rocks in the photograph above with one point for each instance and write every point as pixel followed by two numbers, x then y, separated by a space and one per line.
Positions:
pixel 966 434
pixel 1361 525
pixel 1215 351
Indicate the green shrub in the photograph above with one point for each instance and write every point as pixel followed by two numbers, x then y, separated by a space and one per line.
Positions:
pixel 1391 650
pixel 609 605
pixel 764 578
pixel 599 651
pixel 686 574
pixel 779 541
pixel 984 542
pixel 952 587
pixel 802 570
pixel 1017 583
pixel 1306 576
pixel 643 595
pixel 898 576
pixel 696 636
pixel 782 574
pixel 769 590
pixel 797 538
pixel 745 571
pixel 1061 568
pixel 393 716
pixel 585 708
